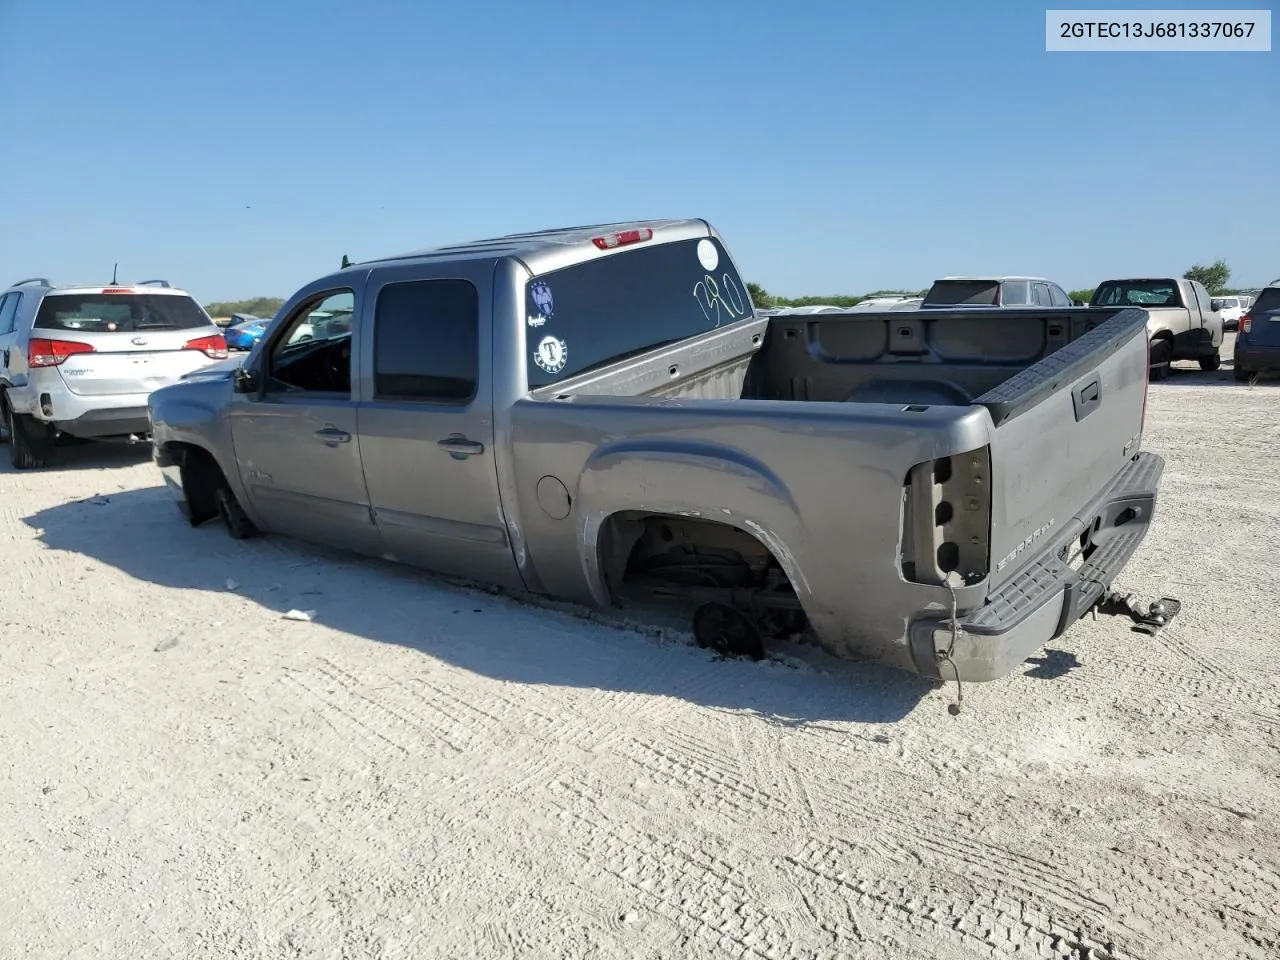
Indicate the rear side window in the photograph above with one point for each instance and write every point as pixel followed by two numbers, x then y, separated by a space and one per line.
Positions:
pixel 1267 302
pixel 594 313
pixel 426 341
pixel 9 311
pixel 1138 293
pixel 1059 296
pixel 971 292
pixel 119 312
pixel 1016 293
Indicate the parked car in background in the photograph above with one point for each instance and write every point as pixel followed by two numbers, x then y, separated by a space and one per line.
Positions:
pixel 888 303
pixel 1231 308
pixel 82 360
pixel 1015 292
pixel 501 413
pixel 1257 346
pixel 811 309
pixel 243 335
pixel 1183 321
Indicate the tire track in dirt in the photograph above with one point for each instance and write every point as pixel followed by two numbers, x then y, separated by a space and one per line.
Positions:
pixel 678 761
pixel 699 891
pixel 995 925
pixel 1133 901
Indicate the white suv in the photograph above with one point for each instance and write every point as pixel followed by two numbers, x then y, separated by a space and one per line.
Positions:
pixel 82 360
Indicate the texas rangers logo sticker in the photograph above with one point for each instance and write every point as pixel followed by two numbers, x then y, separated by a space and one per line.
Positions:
pixel 541 293
pixel 552 354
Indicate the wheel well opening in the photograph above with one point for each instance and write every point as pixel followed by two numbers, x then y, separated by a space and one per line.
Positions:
pixel 201 477
pixel 681 563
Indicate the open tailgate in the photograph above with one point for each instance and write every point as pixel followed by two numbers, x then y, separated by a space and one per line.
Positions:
pixel 1064 428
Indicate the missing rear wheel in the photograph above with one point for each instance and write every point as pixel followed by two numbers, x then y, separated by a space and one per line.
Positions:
pixel 728 631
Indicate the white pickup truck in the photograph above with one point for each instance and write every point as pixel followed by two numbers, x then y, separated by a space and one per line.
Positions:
pixel 1183 321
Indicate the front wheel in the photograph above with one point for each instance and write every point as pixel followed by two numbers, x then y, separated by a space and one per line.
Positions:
pixel 1208 364
pixel 233 516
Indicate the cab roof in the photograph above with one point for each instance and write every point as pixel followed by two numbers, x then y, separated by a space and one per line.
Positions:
pixel 544 250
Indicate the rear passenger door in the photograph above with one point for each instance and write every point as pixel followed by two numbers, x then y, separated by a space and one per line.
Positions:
pixel 426 424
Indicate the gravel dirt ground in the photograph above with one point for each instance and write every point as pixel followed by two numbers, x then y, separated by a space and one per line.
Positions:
pixel 428 771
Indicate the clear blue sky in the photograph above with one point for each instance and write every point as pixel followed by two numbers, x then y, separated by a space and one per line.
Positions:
pixel 241 148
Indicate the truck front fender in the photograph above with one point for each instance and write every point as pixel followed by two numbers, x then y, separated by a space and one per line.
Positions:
pixel 692 479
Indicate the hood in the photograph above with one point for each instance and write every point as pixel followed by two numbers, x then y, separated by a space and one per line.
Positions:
pixel 222 370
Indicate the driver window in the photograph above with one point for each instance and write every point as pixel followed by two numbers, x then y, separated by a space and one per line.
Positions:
pixel 314 352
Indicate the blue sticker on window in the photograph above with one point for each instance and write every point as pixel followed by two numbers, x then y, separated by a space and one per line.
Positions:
pixel 541 293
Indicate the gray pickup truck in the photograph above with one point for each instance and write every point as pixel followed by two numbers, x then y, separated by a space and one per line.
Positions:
pixel 1183 321
pixel 599 415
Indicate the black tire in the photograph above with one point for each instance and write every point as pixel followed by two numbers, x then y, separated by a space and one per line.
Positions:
pixel 237 521
pixel 1209 364
pixel 1241 375
pixel 200 479
pixel 30 442
pixel 1161 358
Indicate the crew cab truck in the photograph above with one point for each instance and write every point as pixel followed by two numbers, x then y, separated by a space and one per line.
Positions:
pixel 1183 321
pixel 599 415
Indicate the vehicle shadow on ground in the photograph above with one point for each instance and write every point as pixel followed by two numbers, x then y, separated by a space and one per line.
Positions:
pixel 83 456
pixel 141 533
pixel 1184 374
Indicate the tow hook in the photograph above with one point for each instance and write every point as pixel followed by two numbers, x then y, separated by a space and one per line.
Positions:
pixel 1149 620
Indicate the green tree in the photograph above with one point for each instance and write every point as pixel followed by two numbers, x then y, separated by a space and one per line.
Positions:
pixel 760 296
pixel 257 306
pixel 1082 295
pixel 1214 277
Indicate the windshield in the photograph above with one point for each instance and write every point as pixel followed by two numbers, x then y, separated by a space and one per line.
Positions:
pixel 1138 293
pixel 119 312
pixel 603 310
pixel 974 292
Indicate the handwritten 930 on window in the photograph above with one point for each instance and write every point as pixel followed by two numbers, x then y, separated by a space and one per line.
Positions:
pixel 1158 30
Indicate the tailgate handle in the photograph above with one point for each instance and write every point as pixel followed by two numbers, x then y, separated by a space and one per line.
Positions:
pixel 1087 397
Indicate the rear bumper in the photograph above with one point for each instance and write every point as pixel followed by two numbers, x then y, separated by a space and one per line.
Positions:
pixel 1042 602
pixel 96 424
pixel 1256 358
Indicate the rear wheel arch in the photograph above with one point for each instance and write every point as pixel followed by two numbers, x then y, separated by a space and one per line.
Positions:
pixel 1160 354
pixel 726 556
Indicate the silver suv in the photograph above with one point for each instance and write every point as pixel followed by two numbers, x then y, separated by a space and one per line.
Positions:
pixel 82 360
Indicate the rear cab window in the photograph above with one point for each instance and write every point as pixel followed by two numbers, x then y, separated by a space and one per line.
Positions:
pixel 594 313
pixel 1138 293
pixel 963 292
pixel 119 312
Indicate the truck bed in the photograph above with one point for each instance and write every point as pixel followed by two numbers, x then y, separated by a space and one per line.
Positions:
pixel 893 467
pixel 946 358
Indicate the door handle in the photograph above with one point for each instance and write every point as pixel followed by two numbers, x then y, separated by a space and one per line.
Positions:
pixel 460 447
pixel 333 436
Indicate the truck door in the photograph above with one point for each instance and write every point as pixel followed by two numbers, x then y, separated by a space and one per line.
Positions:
pixel 426 425
pixel 296 444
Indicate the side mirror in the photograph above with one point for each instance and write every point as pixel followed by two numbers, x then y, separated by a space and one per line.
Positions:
pixel 1078 303
pixel 1215 305
pixel 245 380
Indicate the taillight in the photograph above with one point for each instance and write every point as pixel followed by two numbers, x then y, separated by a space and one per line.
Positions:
pixel 946 519
pixel 51 353
pixel 611 240
pixel 1246 323
pixel 215 346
